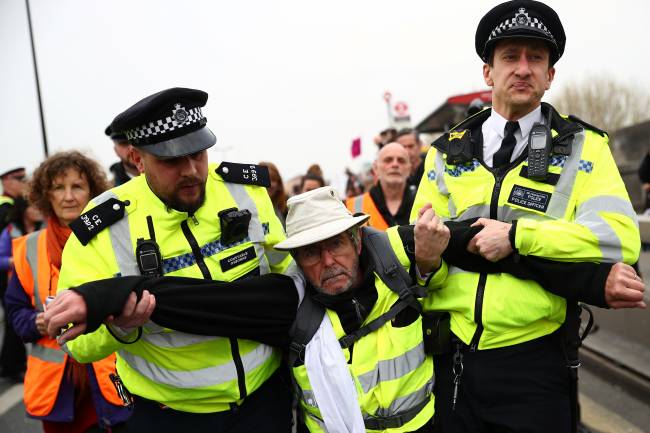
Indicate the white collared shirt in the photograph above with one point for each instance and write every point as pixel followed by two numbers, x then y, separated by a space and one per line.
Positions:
pixel 493 131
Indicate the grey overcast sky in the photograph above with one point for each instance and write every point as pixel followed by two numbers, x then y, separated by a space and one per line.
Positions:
pixel 290 81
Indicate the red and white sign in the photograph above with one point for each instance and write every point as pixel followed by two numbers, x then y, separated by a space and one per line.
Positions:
pixel 401 109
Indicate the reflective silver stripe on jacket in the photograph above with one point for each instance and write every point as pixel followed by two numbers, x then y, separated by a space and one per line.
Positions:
pixel 509 214
pixel 43 353
pixel 506 213
pixel 453 270
pixel 559 202
pixel 209 376
pixel 478 211
pixel 357 203
pixel 276 257
pixel 176 339
pixel 404 403
pixel 32 259
pixel 391 369
pixel 608 241
pixel 47 354
pixel 120 234
pixel 397 407
pixel 309 397
pixel 442 186
pixel 255 229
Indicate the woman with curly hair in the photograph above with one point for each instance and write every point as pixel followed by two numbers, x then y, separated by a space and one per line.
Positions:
pixel 67 396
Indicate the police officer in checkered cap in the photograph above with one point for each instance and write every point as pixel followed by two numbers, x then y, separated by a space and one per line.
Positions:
pixel 541 184
pixel 188 218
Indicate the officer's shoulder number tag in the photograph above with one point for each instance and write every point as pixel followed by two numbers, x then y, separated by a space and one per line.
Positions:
pixel 248 174
pixel 97 219
pixel 237 259
pixel 529 198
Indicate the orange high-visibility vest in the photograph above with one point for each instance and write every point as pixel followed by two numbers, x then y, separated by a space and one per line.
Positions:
pixel 364 203
pixel 46 361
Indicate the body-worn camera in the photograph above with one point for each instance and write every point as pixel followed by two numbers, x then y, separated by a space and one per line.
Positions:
pixel 459 147
pixel 234 224
pixel 148 256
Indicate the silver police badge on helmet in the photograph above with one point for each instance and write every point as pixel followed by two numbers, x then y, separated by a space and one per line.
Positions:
pixel 179 114
pixel 522 18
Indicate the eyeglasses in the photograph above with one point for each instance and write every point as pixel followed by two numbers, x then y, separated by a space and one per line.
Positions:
pixel 311 254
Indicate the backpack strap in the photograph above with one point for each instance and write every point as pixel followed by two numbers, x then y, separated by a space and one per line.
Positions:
pixel 388 267
pixel 308 318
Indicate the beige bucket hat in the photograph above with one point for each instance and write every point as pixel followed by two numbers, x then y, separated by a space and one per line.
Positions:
pixel 316 215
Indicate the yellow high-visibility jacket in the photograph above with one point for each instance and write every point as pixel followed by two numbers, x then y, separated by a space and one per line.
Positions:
pixel 581 213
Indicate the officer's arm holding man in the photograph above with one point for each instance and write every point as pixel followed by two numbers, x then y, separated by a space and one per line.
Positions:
pixel 623 287
pixel 69 308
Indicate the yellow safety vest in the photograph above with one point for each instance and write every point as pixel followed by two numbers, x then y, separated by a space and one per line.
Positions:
pixel 585 216
pixel 185 372
pixel 392 374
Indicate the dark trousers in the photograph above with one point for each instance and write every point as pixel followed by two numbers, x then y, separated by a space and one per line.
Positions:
pixel 267 410
pixel 522 388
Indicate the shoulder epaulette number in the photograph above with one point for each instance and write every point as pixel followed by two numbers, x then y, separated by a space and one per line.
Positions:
pixel 89 224
pixel 247 174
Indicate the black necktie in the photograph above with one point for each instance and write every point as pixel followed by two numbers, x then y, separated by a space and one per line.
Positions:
pixel 503 155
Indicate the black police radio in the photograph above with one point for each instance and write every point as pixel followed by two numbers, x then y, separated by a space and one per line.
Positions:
pixel 539 149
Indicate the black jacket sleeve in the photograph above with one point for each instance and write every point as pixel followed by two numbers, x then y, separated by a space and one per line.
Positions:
pixel 260 308
pixel 583 282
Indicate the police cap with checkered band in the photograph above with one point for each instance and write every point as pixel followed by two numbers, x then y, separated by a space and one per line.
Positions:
pixel 167 124
pixel 520 19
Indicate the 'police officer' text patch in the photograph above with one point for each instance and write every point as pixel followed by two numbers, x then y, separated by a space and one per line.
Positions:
pixel 237 259
pixel 529 198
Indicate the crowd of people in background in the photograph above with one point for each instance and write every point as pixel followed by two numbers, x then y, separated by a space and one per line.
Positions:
pixel 456 237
